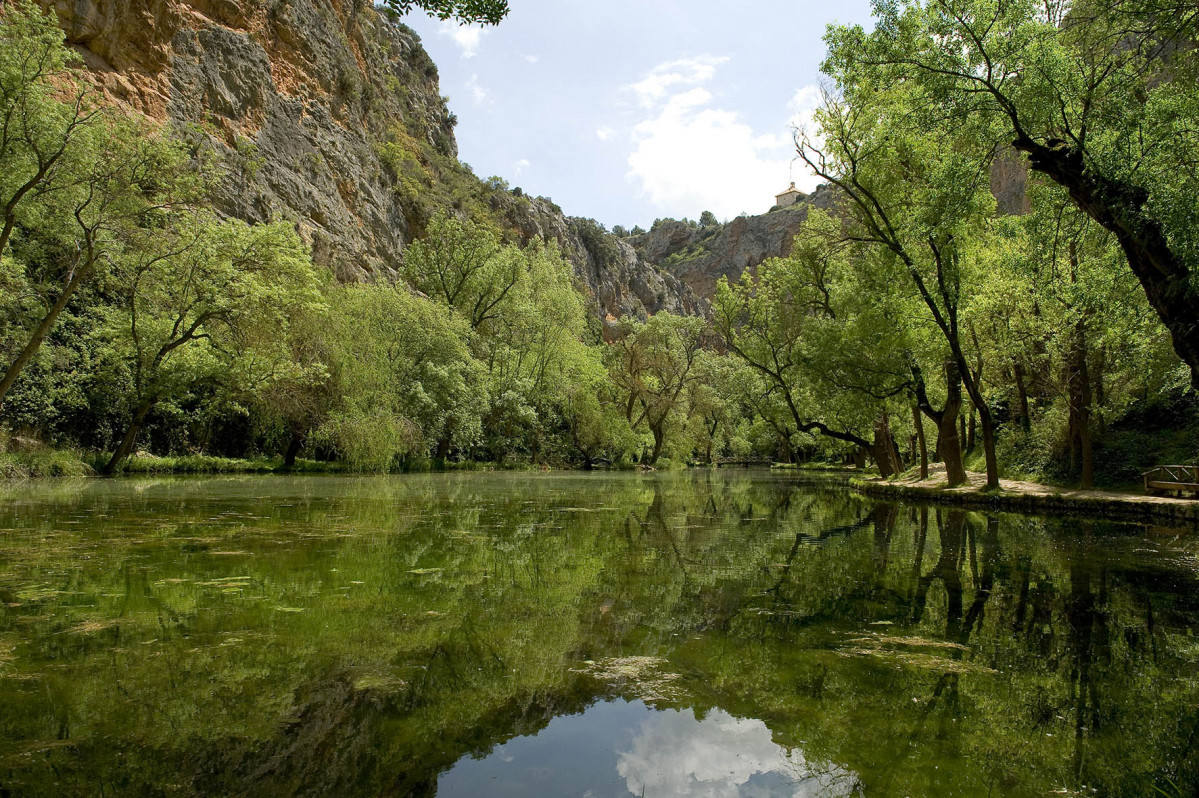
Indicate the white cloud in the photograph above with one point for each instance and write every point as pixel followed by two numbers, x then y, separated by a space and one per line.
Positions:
pixel 605 133
pixel 685 71
pixel 691 155
pixel 520 166
pixel 477 93
pixel 532 59
pixel 467 37
pixel 721 757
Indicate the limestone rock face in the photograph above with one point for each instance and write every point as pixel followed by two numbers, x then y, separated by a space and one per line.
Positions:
pixel 297 98
pixel 699 257
pixel 620 282
pixel 292 96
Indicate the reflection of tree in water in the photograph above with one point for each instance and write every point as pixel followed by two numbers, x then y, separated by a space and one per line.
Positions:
pixel 483 599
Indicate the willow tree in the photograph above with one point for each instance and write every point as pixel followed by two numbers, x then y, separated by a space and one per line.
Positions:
pixel 806 327
pixel 76 183
pixel 409 385
pixel 652 365
pixel 205 303
pixel 916 195
pixel 1101 95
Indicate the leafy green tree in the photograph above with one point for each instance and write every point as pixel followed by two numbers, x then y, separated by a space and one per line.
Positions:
pixel 463 264
pixel 917 196
pixel 535 351
pixel 300 402
pixel 1061 302
pixel 812 337
pixel 75 182
pixel 205 302
pixel 652 366
pixel 408 382
pixel 1101 96
pixel 465 12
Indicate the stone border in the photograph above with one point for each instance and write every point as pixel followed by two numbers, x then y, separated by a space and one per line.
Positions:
pixel 1095 505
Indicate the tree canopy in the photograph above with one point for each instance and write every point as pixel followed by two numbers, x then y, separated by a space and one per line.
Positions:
pixel 465 12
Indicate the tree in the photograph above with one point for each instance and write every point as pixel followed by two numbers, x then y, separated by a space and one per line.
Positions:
pixel 74 181
pixel 1101 96
pixel 652 366
pixel 303 400
pixel 464 12
pixel 813 339
pixel 463 264
pixel 917 194
pixel 206 302
pixel 39 128
pixel 535 351
pixel 113 201
pixel 408 383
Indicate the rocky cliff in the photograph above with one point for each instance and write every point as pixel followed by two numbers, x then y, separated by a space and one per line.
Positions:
pixel 295 96
pixel 699 256
pixel 326 113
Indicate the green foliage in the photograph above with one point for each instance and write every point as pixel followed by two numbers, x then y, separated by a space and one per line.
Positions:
pixel 41 463
pixel 1101 96
pixel 407 382
pixel 206 304
pixel 464 12
pixel 653 366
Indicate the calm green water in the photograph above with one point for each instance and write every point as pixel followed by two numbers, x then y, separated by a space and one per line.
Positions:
pixel 727 634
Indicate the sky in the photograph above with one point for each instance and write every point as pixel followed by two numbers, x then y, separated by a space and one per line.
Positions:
pixel 627 111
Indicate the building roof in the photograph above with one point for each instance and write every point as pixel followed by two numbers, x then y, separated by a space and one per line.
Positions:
pixel 792 190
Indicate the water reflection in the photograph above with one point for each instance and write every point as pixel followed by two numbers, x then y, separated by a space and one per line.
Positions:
pixel 723 634
pixel 617 749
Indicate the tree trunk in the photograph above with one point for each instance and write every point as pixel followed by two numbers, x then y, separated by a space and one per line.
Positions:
pixel 1079 390
pixel 787 449
pixel 1022 397
pixel 42 330
pixel 1120 208
pixel 950 444
pixel 974 389
pixel 970 430
pixel 130 440
pixel 918 421
pixel 293 449
pixel 883 448
pixel 659 438
pixel 988 424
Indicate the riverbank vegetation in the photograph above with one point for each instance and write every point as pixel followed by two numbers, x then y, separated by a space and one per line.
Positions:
pixel 1050 333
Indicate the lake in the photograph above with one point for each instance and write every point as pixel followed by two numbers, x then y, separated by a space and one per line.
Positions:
pixel 729 633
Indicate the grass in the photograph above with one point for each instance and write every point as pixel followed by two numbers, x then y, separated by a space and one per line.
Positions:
pixel 191 464
pixel 42 463
pixel 46 462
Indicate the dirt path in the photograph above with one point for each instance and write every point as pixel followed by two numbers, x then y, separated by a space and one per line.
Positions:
pixel 1019 495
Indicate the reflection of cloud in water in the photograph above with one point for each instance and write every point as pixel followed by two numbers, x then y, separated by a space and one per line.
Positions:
pixel 721 757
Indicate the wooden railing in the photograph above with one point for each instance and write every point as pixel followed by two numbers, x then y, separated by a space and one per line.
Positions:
pixel 1175 477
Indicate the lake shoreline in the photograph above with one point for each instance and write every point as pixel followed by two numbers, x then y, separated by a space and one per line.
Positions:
pixel 1016 496
pixel 1032 497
